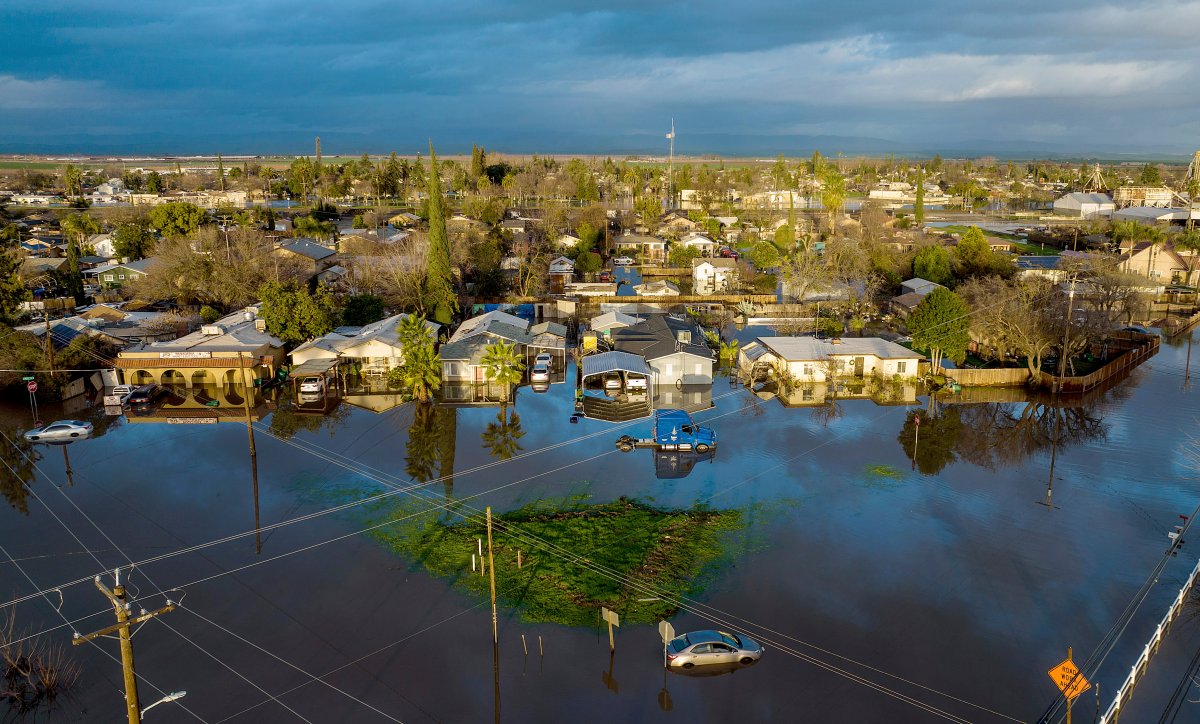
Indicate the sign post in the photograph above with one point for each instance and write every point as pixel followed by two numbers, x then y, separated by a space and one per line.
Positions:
pixel 667 632
pixel 612 619
pixel 1069 680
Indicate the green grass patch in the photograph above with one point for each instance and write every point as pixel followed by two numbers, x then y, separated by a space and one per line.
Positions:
pixel 650 552
pixel 882 477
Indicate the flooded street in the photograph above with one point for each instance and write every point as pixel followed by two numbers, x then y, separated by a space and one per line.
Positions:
pixel 893 574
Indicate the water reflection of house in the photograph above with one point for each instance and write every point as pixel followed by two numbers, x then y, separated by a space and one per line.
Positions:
pixel 212 363
pixel 693 398
pixel 815 394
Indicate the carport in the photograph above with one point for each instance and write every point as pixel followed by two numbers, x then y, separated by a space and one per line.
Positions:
pixel 622 363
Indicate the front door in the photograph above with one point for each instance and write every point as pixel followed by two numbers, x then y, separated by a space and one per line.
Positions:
pixel 858 366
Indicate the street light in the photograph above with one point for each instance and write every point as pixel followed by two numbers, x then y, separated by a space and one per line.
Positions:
pixel 168 698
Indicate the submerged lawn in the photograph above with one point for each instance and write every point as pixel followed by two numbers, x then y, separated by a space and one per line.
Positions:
pixel 575 556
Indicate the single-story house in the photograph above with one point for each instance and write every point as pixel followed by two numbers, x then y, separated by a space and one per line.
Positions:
pixel 713 276
pixel 809 359
pixel 678 222
pixel 102 245
pixel 699 242
pixel 35 265
pixel 605 323
pixel 115 274
pixel 462 354
pixel 649 248
pixel 562 273
pixel 674 348
pixel 567 241
pixel 657 288
pixel 316 257
pixel 1039 266
pixel 404 218
pixel 375 346
pixel 917 285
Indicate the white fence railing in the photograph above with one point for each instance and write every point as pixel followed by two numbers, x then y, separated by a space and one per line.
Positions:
pixel 1151 648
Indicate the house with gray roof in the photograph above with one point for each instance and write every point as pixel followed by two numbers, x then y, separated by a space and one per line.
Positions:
pixel 462 355
pixel 673 347
pixel 809 359
pixel 114 275
pixel 375 348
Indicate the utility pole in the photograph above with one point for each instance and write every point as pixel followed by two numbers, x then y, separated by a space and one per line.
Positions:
pixel 1062 358
pixel 49 339
pixel 492 572
pixel 121 608
pixel 247 392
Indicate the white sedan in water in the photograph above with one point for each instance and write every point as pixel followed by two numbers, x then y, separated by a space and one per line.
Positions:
pixel 60 430
pixel 622 261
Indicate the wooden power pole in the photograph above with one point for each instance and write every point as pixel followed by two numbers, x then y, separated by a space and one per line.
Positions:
pixel 492 572
pixel 121 608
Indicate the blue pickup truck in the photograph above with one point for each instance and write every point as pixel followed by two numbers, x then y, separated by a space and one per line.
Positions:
pixel 673 430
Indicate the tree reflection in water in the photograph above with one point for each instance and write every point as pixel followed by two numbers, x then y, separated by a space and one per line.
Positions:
pixel 501 436
pixel 431 440
pixel 992 435
pixel 19 460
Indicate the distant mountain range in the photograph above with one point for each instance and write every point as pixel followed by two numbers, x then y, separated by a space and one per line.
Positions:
pixel 687 145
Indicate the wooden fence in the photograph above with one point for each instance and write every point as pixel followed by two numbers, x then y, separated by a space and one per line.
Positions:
pixel 998 377
pixel 1142 347
pixel 1139 667
pixel 1175 326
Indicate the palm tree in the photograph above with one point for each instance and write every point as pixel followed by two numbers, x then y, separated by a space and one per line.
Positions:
pixel 500 437
pixel 503 364
pixel 411 331
pixel 421 373
pixel 1189 241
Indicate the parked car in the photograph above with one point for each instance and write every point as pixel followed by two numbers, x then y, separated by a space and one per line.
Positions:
pixel 728 253
pixel 145 395
pixel 635 381
pixel 605 276
pixel 699 648
pixel 312 385
pixel 122 392
pixel 612 380
pixel 543 359
pixel 60 430
pixel 540 372
pixel 622 261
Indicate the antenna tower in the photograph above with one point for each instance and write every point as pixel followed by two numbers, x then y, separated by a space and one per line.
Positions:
pixel 1193 171
pixel 1095 182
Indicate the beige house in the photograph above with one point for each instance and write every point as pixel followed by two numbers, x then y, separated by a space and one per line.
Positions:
pixel 714 276
pixel 1161 263
pixel 650 249
pixel 808 359
pixel 374 347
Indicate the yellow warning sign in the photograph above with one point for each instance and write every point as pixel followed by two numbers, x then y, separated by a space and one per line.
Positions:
pixel 1069 681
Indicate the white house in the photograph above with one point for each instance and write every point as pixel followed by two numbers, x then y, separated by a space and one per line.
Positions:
pixel 699 242
pixel 1084 205
pixel 713 276
pixel 567 241
pixel 809 359
pixel 102 244
pixel 657 288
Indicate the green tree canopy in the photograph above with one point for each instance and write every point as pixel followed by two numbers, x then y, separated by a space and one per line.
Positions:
pixel 764 255
pixel 133 240
pixel 177 218
pixel 421 373
pixel 293 314
pixel 933 264
pixel 503 365
pixel 940 324
pixel 681 256
pixel 362 309
pixel 589 262
pixel 974 254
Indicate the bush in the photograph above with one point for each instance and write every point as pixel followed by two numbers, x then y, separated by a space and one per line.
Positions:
pixel 208 315
pixel 359 222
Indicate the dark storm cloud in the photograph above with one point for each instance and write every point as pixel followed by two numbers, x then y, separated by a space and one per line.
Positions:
pixel 553 76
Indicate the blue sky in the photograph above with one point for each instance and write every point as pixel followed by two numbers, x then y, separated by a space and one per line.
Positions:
pixel 569 76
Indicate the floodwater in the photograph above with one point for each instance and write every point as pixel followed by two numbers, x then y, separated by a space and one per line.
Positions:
pixel 886 588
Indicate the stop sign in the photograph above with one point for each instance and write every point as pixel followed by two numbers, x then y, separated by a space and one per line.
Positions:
pixel 31 386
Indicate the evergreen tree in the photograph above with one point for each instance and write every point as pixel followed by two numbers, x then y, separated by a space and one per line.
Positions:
pixel 440 300
pixel 919 204
pixel 220 172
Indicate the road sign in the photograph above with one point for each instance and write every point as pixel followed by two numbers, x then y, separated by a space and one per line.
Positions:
pixel 30 378
pixel 31 386
pixel 1069 681
pixel 610 616
pixel 666 630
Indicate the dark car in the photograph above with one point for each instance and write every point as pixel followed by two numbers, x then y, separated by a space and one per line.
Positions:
pixel 145 395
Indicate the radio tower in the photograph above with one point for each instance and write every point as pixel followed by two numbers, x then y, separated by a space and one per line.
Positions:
pixel 1095 182
pixel 671 168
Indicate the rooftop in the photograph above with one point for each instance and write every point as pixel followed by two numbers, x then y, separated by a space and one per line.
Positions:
pixel 811 348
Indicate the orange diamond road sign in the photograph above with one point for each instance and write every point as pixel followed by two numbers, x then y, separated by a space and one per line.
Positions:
pixel 1069 681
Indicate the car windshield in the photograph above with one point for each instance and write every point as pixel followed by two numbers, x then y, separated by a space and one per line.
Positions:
pixel 730 639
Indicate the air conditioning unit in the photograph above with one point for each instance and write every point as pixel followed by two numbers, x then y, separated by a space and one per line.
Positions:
pixel 212 330
pixel 260 325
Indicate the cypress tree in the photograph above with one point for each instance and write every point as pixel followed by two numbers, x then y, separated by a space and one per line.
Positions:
pixel 919 202
pixel 221 171
pixel 440 300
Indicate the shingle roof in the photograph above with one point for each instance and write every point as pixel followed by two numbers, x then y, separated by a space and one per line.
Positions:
pixel 811 348
pixel 307 248
pixel 597 364
pixel 656 337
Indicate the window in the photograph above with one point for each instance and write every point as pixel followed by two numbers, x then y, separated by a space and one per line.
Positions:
pixel 120 276
pixel 808 369
pixel 901 367
pixel 668 370
pixel 108 277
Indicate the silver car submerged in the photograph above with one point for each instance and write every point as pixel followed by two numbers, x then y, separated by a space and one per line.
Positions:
pixel 60 430
pixel 699 648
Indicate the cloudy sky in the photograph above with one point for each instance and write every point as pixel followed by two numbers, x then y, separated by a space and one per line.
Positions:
pixel 755 77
